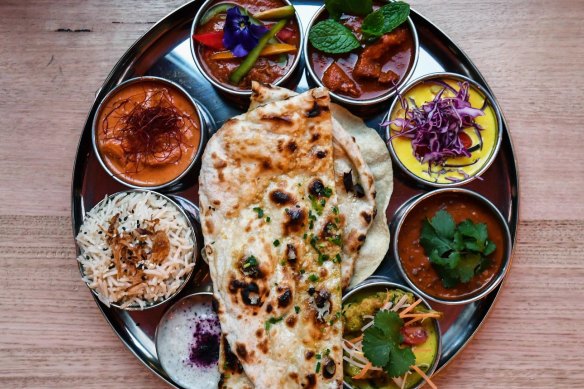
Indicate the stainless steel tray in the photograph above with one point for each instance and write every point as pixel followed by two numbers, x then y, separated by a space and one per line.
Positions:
pixel 164 51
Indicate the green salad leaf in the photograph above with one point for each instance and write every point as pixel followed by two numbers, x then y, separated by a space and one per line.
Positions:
pixel 385 19
pixel 337 7
pixel 458 252
pixel 381 344
pixel 332 37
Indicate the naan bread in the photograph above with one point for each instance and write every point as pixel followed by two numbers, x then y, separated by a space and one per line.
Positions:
pixel 377 157
pixel 267 199
pixel 354 182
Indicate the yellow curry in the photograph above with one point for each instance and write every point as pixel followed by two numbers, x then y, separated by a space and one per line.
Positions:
pixel 452 169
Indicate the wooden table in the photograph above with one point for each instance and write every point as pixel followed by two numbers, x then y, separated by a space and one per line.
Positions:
pixel 55 55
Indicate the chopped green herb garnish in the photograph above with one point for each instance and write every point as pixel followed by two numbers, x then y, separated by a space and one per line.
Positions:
pixel 336 239
pixel 381 344
pixel 297 309
pixel 337 258
pixel 322 258
pixel 259 211
pixel 335 210
pixel 283 262
pixel 318 356
pixel 276 243
pixel 316 205
pixel 268 219
pixel 313 277
pixel 317 367
pixel 302 271
pixel 304 236
pixel 250 261
pixel 313 241
pixel 271 321
pixel 327 192
pixel 457 252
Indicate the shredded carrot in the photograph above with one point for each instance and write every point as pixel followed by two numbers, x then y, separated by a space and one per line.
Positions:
pixel 364 371
pixel 424 376
pixel 434 315
pixel 411 321
pixel 405 311
pixel 358 338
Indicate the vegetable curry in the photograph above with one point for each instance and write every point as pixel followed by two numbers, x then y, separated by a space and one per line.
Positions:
pixel 275 59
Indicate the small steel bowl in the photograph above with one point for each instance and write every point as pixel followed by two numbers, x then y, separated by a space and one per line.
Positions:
pixel 189 300
pixel 241 96
pixel 187 276
pixel 378 284
pixel 402 215
pixel 361 105
pixel 204 122
pixel 491 103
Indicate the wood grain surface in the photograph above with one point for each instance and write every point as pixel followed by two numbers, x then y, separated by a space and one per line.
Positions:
pixel 55 55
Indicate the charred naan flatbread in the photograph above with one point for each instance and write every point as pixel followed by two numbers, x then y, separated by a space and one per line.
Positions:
pixel 360 150
pixel 272 239
pixel 353 180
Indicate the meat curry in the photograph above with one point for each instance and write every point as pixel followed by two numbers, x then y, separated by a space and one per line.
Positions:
pixel 371 71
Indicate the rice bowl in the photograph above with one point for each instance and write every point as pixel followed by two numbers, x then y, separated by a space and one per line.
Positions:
pixel 137 249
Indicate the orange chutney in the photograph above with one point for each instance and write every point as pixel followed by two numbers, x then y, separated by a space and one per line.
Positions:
pixel 148 133
pixel 416 263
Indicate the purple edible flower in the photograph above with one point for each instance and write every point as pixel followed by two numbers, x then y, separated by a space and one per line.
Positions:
pixel 240 35
pixel 435 127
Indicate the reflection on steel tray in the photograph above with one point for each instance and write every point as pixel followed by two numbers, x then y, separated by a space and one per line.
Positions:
pixel 164 51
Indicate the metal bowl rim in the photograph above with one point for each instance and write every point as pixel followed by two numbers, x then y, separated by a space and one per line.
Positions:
pixel 379 283
pixel 194 255
pixel 202 128
pixel 482 292
pixel 241 92
pixel 366 102
pixel 490 158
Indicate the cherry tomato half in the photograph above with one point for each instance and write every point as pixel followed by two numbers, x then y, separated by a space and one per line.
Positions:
pixel 414 336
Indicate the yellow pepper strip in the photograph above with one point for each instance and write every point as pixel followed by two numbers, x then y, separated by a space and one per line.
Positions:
pixel 273 49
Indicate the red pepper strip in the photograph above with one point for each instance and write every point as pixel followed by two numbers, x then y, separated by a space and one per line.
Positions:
pixel 213 40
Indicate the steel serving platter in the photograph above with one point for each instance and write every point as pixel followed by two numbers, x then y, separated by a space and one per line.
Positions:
pixel 164 51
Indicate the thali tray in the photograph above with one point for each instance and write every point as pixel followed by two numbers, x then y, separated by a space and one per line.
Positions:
pixel 164 51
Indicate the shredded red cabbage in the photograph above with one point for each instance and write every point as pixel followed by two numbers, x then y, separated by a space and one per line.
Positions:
pixel 435 127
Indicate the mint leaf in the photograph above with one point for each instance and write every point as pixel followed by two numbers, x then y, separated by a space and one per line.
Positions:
pixel 332 37
pixel 336 8
pixel 400 361
pixel 385 19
